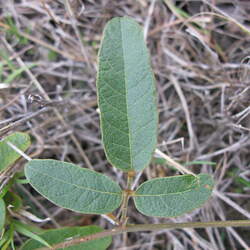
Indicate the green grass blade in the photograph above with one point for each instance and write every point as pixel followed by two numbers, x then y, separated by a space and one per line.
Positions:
pixel 2 215
pixel 22 229
pixel 17 73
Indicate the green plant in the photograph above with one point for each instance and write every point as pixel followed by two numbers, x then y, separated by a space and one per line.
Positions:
pixel 13 72
pixel 8 154
pixel 11 205
pixel 10 202
pixel 128 114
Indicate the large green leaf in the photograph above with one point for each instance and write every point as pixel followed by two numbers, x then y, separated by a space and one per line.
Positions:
pixel 7 154
pixel 126 96
pixel 173 196
pixel 2 215
pixel 73 187
pixel 55 236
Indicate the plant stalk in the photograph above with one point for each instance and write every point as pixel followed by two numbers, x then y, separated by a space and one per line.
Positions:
pixel 150 227
pixel 127 194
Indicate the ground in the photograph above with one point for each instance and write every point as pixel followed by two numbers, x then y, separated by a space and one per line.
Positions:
pixel 200 57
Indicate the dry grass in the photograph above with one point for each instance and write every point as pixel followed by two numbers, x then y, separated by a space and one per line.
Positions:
pixel 201 66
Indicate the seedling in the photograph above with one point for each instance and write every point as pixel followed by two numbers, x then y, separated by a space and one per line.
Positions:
pixel 128 115
pixel 11 203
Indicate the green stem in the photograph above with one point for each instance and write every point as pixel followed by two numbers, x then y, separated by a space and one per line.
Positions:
pixel 150 227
